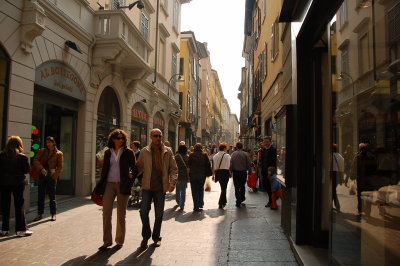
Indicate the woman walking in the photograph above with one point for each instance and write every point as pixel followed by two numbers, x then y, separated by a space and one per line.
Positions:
pixel 117 175
pixel 182 160
pixel 13 167
pixel 222 163
pixel 199 168
pixel 49 163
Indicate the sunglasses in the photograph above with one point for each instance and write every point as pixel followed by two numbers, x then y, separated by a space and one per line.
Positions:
pixel 157 136
pixel 119 138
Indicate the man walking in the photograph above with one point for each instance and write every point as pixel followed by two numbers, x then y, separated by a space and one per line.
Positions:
pixel 268 159
pixel 157 163
pixel 240 164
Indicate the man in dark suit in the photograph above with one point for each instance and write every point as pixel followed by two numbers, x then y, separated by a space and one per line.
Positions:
pixel 268 159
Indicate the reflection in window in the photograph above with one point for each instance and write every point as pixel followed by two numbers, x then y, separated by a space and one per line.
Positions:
pixel 366 230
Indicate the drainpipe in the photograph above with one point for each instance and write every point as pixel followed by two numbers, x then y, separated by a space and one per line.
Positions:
pixel 156 54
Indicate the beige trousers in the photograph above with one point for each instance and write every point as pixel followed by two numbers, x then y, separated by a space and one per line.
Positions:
pixel 112 191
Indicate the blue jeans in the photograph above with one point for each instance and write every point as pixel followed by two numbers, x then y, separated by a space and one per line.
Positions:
pixel 181 193
pixel 47 184
pixel 197 185
pixel 159 200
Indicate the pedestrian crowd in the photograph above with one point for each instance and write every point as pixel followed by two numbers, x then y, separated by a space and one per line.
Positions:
pixel 155 168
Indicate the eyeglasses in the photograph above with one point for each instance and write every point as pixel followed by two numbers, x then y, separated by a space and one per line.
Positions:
pixel 119 138
pixel 157 136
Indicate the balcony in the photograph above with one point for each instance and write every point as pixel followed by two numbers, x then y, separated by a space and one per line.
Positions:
pixel 120 43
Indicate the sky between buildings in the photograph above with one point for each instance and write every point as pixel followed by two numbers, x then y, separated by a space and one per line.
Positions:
pixel 220 23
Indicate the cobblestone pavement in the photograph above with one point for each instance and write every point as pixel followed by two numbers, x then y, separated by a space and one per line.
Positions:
pixel 250 235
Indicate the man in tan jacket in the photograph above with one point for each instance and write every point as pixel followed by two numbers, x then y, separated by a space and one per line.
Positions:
pixel 157 163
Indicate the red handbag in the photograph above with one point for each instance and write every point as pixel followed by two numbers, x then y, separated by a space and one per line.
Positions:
pixel 252 179
pixel 97 198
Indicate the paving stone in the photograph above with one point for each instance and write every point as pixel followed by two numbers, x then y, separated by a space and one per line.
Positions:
pixel 249 235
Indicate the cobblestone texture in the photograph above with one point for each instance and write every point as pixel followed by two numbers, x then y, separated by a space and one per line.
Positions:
pixel 250 235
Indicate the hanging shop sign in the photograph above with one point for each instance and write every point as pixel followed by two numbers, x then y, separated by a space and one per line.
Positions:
pixel 61 78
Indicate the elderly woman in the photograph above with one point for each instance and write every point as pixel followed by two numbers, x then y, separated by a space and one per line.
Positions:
pixel 13 167
pixel 199 168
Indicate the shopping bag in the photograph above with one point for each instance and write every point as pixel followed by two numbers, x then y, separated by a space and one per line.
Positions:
pixel 207 186
pixel 252 179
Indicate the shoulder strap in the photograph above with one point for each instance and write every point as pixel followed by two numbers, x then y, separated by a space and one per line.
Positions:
pixel 221 160
pixel 182 160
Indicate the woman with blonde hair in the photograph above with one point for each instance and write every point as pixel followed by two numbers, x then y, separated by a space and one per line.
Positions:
pixel 13 167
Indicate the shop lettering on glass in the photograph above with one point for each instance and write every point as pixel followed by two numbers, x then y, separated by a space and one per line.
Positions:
pixel 138 114
pixel 158 121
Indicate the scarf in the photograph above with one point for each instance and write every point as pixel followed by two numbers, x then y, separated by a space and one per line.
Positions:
pixel 157 151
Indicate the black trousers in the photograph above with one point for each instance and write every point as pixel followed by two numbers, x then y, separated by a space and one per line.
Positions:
pixel 18 194
pixel 239 181
pixel 223 179
pixel 267 185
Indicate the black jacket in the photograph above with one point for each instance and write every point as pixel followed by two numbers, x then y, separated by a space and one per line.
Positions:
pixel 127 163
pixel 13 169
pixel 268 158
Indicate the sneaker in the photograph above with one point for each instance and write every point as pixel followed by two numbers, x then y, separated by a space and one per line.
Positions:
pixel 53 218
pixel 24 233
pixel 4 233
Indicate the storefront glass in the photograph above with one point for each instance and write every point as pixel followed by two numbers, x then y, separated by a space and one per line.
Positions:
pixel 58 121
pixel 172 134
pixel 158 122
pixel 108 114
pixel 4 72
pixel 365 72
pixel 139 124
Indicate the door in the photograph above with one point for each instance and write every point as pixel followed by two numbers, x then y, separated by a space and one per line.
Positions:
pixel 60 123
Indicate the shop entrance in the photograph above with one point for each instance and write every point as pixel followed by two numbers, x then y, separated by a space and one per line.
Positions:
pixel 58 121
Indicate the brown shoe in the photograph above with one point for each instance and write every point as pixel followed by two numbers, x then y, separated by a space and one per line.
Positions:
pixel 157 243
pixel 143 244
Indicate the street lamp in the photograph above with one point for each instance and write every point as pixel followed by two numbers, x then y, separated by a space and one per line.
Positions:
pixel 172 78
pixel 139 4
pixel 341 77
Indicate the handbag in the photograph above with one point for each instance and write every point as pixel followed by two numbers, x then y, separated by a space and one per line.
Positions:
pixel 216 171
pixel 97 198
pixel 252 179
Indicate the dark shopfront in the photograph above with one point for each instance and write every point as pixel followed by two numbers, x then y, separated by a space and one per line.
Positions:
pixel 55 111
pixel 347 57
pixel 139 124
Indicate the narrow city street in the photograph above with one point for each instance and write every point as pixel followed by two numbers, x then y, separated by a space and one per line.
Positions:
pixel 250 235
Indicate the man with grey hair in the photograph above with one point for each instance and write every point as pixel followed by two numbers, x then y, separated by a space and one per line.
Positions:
pixel 240 164
pixel 160 173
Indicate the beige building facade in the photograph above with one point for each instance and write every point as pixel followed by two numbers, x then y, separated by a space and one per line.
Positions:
pixel 109 68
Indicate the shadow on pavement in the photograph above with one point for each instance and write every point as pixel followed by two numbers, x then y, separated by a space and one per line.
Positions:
pixel 63 205
pixel 98 258
pixel 139 257
pixel 9 237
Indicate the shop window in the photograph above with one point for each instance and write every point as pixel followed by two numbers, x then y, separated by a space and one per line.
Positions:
pixel 364 170
pixel 4 79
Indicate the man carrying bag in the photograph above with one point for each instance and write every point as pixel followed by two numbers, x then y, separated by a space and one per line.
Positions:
pixel 221 163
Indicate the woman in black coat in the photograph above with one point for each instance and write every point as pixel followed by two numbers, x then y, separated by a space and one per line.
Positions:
pixel 13 167
pixel 117 175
